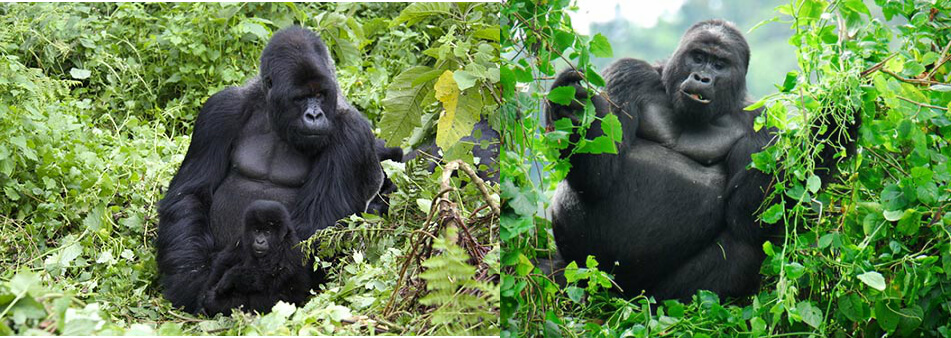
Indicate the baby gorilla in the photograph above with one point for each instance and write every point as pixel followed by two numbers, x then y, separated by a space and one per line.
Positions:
pixel 263 268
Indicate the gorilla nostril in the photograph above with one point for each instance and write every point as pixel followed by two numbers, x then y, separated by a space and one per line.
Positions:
pixel 696 77
pixel 310 115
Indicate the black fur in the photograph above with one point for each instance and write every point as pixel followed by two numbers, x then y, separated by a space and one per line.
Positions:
pixel 380 205
pixel 243 278
pixel 287 136
pixel 676 207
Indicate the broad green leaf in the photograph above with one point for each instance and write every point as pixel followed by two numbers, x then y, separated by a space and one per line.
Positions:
pixel 418 11
pixel 809 313
pixel 854 308
pixel 562 95
pixel 773 214
pixel 794 270
pixel 887 315
pixel 600 145
pixel 403 105
pixel 873 279
pixel 910 319
pixel 600 46
pixel 561 40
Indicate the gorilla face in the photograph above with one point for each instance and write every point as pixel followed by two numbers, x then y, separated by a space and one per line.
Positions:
pixel 706 77
pixel 301 89
pixel 266 224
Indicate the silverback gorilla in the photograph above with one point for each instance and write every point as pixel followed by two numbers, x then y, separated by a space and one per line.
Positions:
pixel 676 207
pixel 289 136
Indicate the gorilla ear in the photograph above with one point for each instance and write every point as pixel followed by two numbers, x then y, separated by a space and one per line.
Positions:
pixel 267 82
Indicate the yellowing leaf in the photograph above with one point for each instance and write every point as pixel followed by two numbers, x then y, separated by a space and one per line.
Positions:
pixel 462 110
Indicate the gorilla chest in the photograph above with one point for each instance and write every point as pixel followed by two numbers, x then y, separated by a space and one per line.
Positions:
pixel 263 167
pixel 664 185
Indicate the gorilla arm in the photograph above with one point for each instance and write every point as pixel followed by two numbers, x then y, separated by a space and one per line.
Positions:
pixel 589 172
pixel 184 242
pixel 349 175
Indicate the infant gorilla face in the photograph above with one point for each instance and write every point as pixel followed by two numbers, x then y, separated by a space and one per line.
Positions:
pixel 265 225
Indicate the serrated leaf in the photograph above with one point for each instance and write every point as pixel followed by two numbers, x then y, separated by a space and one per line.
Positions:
pixel 873 279
pixel 403 105
pixel 600 46
pixel 600 145
pixel 612 127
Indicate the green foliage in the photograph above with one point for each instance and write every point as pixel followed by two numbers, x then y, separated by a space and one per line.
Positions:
pixel 458 298
pixel 462 75
pixel 97 102
pixel 866 254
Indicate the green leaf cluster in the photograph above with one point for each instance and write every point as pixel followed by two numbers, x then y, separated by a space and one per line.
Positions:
pixel 867 247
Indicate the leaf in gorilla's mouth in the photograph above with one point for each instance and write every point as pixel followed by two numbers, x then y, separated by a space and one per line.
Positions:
pixel 696 97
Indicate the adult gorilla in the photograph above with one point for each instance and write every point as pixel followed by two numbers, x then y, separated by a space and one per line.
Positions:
pixel 287 136
pixel 675 208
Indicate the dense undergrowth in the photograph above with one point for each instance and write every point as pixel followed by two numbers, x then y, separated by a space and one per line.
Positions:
pixel 97 103
pixel 869 255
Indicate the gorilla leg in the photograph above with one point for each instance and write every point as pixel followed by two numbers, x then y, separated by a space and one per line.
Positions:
pixel 728 267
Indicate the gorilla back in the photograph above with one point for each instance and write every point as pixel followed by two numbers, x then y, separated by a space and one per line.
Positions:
pixel 675 208
pixel 286 136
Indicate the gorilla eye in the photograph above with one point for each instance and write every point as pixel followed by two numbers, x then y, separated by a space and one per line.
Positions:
pixel 718 65
pixel 697 58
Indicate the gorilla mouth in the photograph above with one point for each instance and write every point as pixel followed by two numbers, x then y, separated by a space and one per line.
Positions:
pixel 258 252
pixel 695 97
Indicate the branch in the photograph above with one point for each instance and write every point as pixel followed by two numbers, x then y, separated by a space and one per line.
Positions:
pixel 921 104
pixel 912 81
